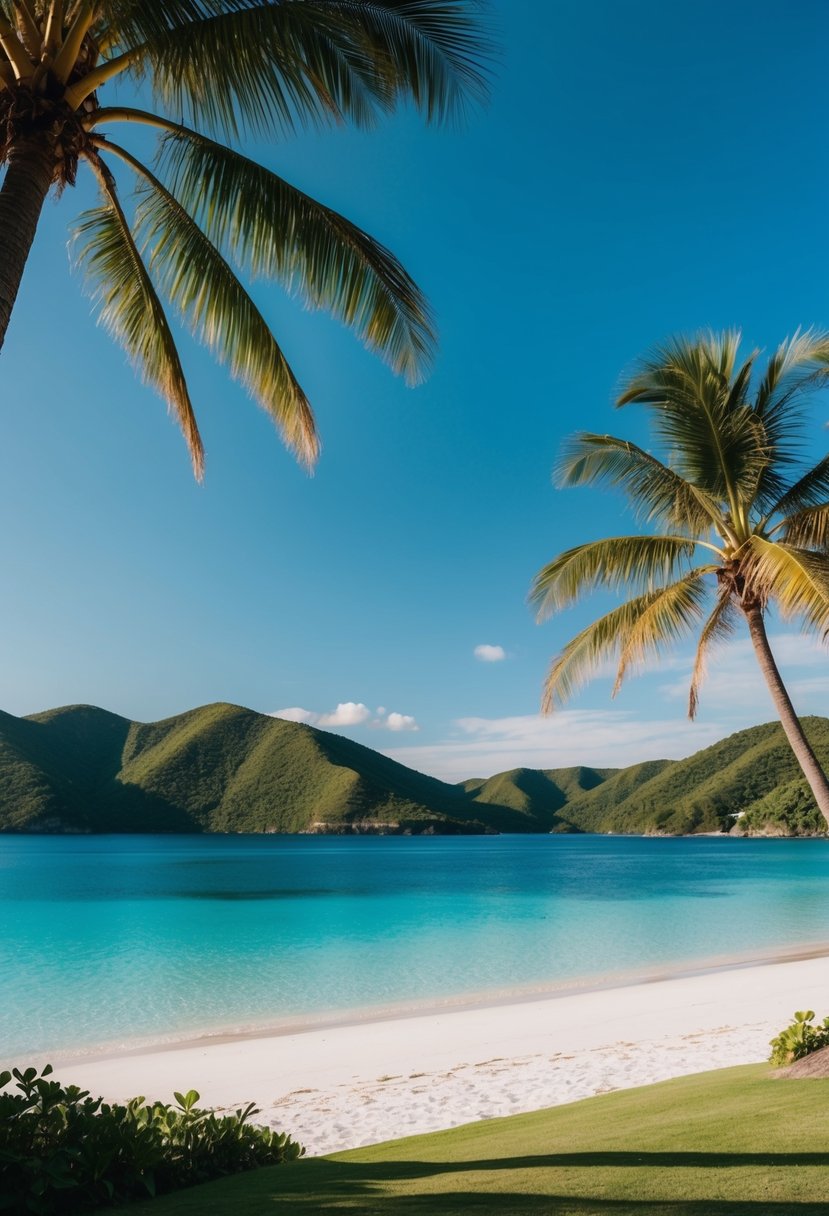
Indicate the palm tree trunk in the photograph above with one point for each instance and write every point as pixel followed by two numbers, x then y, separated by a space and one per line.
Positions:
pixel 28 178
pixel 806 758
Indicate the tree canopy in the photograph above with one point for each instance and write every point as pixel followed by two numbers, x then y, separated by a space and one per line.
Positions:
pixel 202 214
pixel 739 521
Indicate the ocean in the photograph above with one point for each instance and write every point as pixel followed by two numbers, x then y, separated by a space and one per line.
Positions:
pixel 121 939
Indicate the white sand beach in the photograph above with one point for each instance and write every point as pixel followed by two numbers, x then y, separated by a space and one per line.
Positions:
pixel 341 1086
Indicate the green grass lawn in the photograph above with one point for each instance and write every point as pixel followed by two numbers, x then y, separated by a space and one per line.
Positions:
pixel 734 1142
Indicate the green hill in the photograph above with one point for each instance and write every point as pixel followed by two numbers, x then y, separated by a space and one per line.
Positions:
pixel 536 794
pixel 222 768
pixel 749 781
pixel 593 808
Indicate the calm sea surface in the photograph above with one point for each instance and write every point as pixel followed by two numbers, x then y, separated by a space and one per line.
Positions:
pixel 105 939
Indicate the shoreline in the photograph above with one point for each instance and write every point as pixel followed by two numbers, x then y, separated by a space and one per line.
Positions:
pixel 358 1082
pixel 335 1019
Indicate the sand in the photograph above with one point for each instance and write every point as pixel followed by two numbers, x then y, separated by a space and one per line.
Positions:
pixel 341 1086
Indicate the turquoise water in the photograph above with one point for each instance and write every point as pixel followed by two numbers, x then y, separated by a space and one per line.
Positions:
pixel 105 939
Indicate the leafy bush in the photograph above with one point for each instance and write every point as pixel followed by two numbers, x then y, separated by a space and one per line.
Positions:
pixel 64 1151
pixel 799 1039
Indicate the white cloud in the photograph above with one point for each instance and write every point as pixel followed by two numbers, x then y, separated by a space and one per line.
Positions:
pixel 400 722
pixel 347 713
pixel 733 679
pixel 296 714
pixel 602 738
pixel 490 654
pixel 796 649
pixel 733 697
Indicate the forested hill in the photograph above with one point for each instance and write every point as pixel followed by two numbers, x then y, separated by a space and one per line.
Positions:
pixel 219 768
pixel 749 782
pixel 222 768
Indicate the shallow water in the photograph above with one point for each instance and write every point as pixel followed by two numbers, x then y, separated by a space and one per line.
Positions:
pixel 110 938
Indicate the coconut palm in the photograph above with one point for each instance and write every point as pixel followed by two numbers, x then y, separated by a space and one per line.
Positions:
pixel 739 523
pixel 216 70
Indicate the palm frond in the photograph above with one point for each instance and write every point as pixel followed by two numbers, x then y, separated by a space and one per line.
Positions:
pixel 716 440
pixel 738 392
pixel 262 68
pixel 226 64
pixel 434 49
pixel 719 626
pixel 693 364
pixel 810 490
pixel 667 617
pixel 796 579
pixel 798 367
pixel 589 649
pixel 655 491
pixel 808 529
pixel 127 23
pixel 274 230
pixel 728 447
pixel 130 309
pixel 202 286
pixel 635 562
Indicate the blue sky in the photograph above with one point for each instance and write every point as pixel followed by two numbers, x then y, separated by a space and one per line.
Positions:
pixel 642 169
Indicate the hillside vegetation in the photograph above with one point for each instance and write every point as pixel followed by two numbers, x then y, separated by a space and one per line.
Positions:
pixel 222 768
pixel 537 794
pixel 748 782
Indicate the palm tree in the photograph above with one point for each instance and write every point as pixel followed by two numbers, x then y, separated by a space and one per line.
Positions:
pixel 215 70
pixel 737 518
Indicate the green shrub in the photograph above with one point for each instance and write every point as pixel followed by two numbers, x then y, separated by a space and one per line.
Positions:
pixel 64 1151
pixel 799 1039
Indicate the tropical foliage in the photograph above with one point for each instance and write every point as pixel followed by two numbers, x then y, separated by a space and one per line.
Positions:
pixel 61 1150
pixel 799 1039
pixel 739 523
pixel 217 70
